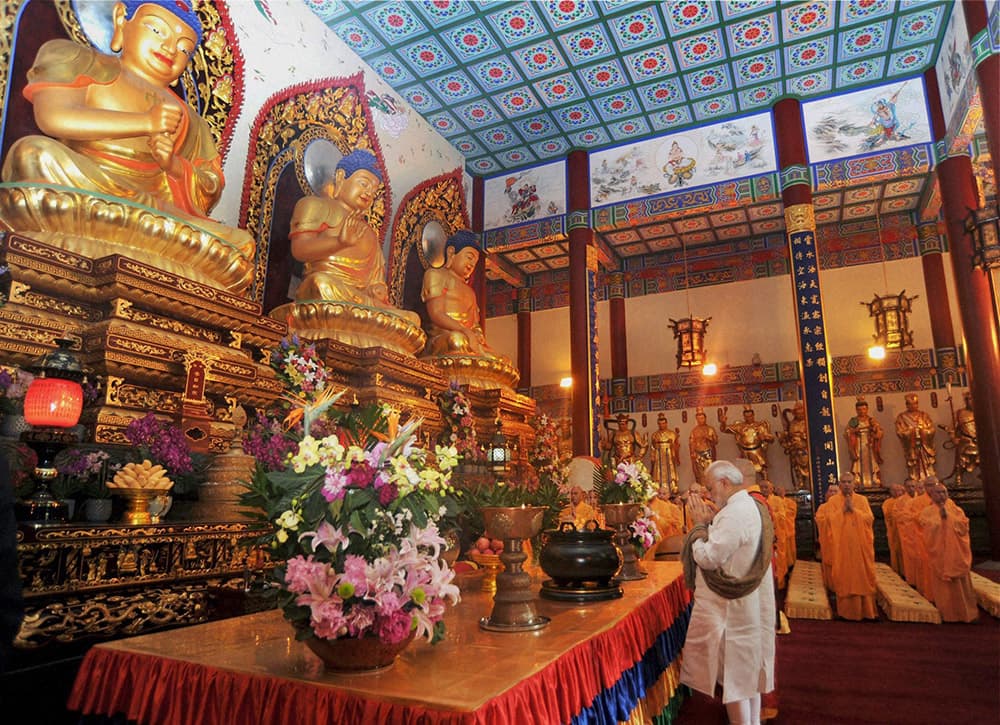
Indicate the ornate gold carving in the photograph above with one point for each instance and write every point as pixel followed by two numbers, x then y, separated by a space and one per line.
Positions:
pixel 355 325
pixel 800 218
pixel 478 372
pixel 80 222
pixel 8 14
pixel 124 310
pixel 235 340
pixel 127 395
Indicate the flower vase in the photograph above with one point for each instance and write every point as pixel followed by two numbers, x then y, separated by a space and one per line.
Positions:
pixel 619 516
pixel 355 655
pixel 514 602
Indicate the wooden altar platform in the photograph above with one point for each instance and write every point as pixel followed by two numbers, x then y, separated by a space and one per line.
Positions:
pixel 613 661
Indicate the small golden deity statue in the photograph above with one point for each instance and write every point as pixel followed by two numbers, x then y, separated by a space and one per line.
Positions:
pixel 702 444
pixel 665 455
pixel 864 439
pixel 915 431
pixel 125 166
pixel 752 438
pixel 343 295
pixel 623 445
pixel 455 338
pixel 794 442
pixel 963 436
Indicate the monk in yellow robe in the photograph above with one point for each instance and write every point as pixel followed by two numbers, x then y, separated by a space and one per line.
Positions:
pixel 823 528
pixel 945 532
pixel 668 517
pixel 578 511
pixel 852 542
pixel 914 554
pixel 780 532
pixel 890 512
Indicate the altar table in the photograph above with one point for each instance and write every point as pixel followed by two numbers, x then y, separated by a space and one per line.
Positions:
pixel 600 662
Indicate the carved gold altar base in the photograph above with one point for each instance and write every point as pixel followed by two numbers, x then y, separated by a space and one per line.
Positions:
pixel 138 326
pixel 477 372
pixel 357 325
pixel 96 226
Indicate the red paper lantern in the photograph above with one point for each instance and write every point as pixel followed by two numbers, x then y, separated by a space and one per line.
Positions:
pixel 53 402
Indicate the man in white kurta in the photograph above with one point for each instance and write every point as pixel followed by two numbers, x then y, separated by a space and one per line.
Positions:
pixel 731 641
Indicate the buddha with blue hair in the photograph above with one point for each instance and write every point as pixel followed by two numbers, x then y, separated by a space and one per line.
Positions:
pixel 454 334
pixel 343 295
pixel 113 127
pixel 331 236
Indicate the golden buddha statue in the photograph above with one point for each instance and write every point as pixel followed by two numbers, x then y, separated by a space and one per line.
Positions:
pixel 623 444
pixel 702 443
pixel 125 166
pixel 665 455
pixel 455 339
pixel 752 438
pixel 343 295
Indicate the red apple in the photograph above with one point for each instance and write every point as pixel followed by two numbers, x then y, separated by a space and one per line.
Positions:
pixel 496 545
pixel 483 544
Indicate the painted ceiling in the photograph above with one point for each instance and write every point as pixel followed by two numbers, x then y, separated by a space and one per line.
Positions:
pixel 512 84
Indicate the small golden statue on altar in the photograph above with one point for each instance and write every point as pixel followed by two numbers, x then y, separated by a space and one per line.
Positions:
pixel 915 431
pixel 343 295
pixel 455 338
pixel 794 440
pixel 752 438
pixel 864 439
pixel 126 166
pixel 703 444
pixel 623 445
pixel 665 454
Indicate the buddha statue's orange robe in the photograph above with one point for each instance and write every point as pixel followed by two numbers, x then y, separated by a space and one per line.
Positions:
pixel 949 558
pixel 852 544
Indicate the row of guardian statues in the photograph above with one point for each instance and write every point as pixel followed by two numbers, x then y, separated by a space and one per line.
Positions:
pixel 620 442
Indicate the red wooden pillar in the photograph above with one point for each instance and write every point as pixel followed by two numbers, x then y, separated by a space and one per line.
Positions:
pixel 987 71
pixel 524 338
pixel 616 317
pixel 582 305
pixel 959 194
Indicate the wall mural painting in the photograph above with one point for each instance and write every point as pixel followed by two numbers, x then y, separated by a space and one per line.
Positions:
pixel 288 125
pixel 696 157
pixel 954 65
pixel 862 122
pixel 525 195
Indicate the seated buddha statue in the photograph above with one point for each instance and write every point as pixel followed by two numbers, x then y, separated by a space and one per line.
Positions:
pixel 343 294
pixel 455 338
pixel 118 138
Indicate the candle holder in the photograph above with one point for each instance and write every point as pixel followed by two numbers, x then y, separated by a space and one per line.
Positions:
pixel 619 516
pixel 514 602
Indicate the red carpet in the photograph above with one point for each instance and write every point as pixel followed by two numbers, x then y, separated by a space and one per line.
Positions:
pixel 881 673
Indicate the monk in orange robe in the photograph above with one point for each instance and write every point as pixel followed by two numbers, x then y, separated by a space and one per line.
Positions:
pixel 780 532
pixel 945 532
pixel 890 512
pixel 791 512
pixel 914 553
pixel 852 539
pixel 822 525
pixel 669 521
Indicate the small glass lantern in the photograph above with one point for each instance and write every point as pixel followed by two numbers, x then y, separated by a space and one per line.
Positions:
pixel 690 336
pixel 498 454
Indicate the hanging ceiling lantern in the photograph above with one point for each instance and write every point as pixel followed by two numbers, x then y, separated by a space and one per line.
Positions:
pixel 892 324
pixel 690 335
pixel 984 226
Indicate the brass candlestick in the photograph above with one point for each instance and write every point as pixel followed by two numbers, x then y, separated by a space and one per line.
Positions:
pixel 514 602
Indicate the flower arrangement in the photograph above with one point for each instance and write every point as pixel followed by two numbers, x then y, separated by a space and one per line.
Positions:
pixel 265 440
pixel 162 443
pixel 88 467
pixel 353 521
pixel 459 426
pixel 644 532
pixel 299 366
pixel 544 455
pixel 629 483
pixel 13 386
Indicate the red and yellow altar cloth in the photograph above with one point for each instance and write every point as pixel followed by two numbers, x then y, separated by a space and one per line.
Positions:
pixel 596 662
